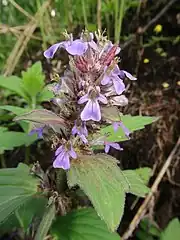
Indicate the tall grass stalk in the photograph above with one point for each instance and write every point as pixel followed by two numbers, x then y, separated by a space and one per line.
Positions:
pixel 119 14
pixel 84 13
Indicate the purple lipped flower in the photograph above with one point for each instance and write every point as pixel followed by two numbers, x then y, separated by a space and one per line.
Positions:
pixel 76 47
pixel 81 131
pixel 87 38
pixel 111 144
pixel 39 132
pixel 116 125
pixel 91 110
pixel 63 155
pixel 112 76
pixel 123 74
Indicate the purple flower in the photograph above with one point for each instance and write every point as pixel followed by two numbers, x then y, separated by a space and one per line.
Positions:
pixel 112 76
pixel 62 155
pixel 116 125
pixel 124 74
pixel 111 144
pixel 39 132
pixel 92 109
pixel 81 131
pixel 76 47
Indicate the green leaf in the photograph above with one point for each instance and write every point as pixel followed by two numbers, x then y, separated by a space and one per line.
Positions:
pixel 46 222
pixel 172 232
pixel 144 173
pixel 14 109
pixel 136 185
pixel 32 209
pixel 82 224
pixel 102 181
pixel 45 95
pixel 16 187
pixel 14 84
pixel 133 123
pixel 10 140
pixel 33 80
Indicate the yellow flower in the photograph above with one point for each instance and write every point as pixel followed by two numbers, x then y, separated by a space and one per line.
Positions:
pixel 178 83
pixel 158 28
pixel 146 60
pixel 165 85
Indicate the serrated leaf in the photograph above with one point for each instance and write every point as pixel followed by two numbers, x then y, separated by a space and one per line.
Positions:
pixel 82 224
pixel 10 140
pixel 46 222
pixel 136 185
pixel 14 84
pixel 133 123
pixel 144 173
pixel 98 176
pixel 172 231
pixel 33 80
pixel 16 187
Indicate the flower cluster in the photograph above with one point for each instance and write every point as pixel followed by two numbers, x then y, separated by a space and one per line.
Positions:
pixel 93 81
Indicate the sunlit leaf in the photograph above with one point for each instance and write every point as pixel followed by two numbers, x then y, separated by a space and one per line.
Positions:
pixel 133 123
pixel 33 80
pixel 14 109
pixel 14 84
pixel 82 224
pixel 103 182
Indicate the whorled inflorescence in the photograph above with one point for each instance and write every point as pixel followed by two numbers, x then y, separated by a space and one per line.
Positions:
pixel 93 81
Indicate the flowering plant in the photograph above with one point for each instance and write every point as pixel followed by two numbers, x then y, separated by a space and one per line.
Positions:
pixel 86 118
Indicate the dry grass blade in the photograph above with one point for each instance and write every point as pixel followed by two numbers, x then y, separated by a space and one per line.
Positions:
pixel 23 41
pixel 143 208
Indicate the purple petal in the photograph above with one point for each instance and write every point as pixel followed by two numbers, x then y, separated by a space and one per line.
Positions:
pixel 91 111
pixel 83 99
pixel 59 150
pixel 74 130
pixel 39 132
pixel 107 148
pixel 72 153
pixel 128 75
pixel 116 70
pixel 83 138
pixel 118 85
pixel 116 146
pixel 125 129
pixel 115 126
pixel 62 161
pixel 106 79
pixel 49 53
pixel 102 99
pixel 77 47
pixel 84 130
